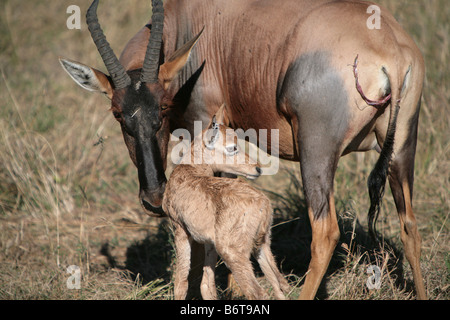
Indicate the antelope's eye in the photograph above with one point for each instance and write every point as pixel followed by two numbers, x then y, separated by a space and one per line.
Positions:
pixel 164 107
pixel 231 150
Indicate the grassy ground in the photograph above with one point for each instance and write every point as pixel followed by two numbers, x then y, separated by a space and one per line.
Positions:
pixel 68 190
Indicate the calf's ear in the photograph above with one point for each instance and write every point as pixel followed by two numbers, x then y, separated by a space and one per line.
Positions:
pixel 221 116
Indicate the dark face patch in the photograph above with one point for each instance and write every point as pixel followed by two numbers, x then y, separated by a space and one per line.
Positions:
pixel 140 107
pixel 145 130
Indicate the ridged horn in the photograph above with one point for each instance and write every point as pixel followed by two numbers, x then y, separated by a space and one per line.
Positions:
pixel 117 72
pixel 150 68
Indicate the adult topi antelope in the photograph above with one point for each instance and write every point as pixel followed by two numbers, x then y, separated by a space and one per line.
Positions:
pixel 288 65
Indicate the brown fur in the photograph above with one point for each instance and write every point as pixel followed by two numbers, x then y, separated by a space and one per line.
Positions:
pixel 228 216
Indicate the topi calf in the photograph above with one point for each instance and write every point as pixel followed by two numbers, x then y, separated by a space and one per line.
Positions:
pixel 228 216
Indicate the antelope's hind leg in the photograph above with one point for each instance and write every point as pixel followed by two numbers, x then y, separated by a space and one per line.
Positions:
pixel 268 265
pixel 237 258
pixel 318 161
pixel 401 178
pixel 409 233
pixel 315 92
pixel 208 285
pixel 325 236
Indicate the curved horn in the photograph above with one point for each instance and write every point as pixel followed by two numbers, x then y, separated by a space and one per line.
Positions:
pixel 117 72
pixel 150 68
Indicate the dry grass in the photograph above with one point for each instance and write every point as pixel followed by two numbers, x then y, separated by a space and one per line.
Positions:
pixel 68 191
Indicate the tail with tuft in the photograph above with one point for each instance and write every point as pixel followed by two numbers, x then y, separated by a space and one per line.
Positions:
pixel 377 178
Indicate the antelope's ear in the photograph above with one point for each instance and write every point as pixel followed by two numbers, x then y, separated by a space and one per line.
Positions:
pixel 88 78
pixel 221 116
pixel 169 70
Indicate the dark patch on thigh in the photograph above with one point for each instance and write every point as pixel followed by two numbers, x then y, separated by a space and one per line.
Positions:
pixel 314 91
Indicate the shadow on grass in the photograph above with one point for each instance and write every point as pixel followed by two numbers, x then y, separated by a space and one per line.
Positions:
pixel 149 259
pixel 152 258
pixel 291 240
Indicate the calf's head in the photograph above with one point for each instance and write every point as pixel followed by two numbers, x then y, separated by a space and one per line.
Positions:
pixel 139 101
pixel 222 152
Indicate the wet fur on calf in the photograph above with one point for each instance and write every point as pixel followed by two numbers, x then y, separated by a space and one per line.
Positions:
pixel 228 216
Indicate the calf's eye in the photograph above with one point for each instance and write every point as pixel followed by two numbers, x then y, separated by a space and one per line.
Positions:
pixel 231 150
